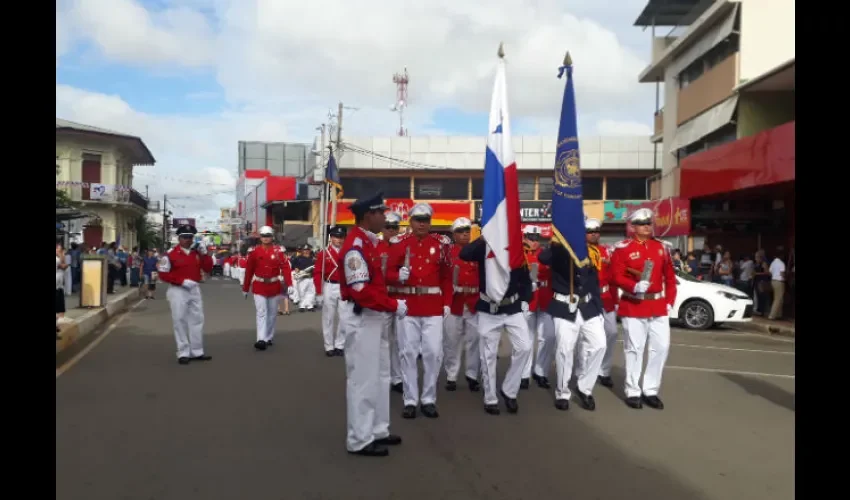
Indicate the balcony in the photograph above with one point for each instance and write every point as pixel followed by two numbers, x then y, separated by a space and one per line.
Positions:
pixel 106 194
pixel 658 130
pixel 711 88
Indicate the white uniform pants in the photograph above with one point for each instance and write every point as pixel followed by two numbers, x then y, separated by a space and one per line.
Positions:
pixel 587 337
pixel 610 322
pixel 241 276
pixel 332 307
pixel 391 325
pixel 490 328
pixel 541 331
pixel 226 270
pixel 461 328
pixel 187 314
pixel 266 316
pixel 420 334
pixel 307 293
pixel 635 334
pixel 367 388
pixel 295 297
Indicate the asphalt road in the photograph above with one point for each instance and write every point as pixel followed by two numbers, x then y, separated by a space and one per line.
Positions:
pixel 133 424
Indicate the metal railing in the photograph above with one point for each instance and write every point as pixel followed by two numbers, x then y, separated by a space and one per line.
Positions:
pixel 109 196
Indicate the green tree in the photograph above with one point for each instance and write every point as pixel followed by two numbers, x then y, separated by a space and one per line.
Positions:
pixel 150 236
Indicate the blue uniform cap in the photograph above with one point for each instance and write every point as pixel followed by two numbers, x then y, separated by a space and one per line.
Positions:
pixel 186 229
pixel 371 204
pixel 337 232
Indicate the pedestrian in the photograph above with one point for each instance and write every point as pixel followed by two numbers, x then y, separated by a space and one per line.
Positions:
pixel 226 266
pixel 242 262
pixel 367 356
pixel 326 284
pixel 541 327
pixel 303 267
pixel 265 274
pixel 419 271
pixel 643 269
pixel 494 317
pixel 181 267
pixel 600 257
pixel 777 283
pixel 391 229
pixel 135 262
pixel 61 266
pixel 462 323
pixel 149 273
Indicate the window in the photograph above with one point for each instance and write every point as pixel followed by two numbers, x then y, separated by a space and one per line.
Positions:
pixel 710 59
pixel 591 188
pixel 477 188
pixel 359 187
pixel 440 189
pixel 526 187
pixel 626 188
pixel 544 187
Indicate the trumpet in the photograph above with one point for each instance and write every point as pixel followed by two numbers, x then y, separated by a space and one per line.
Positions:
pixel 304 273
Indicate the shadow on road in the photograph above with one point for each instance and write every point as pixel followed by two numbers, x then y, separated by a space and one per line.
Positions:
pixel 766 390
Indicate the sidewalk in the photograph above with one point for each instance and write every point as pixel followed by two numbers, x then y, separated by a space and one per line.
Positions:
pixel 80 322
pixel 768 326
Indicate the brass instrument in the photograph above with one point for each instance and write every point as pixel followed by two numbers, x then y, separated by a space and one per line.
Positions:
pixel 304 273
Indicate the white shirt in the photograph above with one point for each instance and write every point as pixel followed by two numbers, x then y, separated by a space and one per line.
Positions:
pixel 747 268
pixel 60 275
pixel 777 267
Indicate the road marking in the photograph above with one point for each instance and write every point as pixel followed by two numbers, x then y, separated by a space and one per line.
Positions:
pixel 73 361
pixel 717 348
pixel 731 372
pixel 738 333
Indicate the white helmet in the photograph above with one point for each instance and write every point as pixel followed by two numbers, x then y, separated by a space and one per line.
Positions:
pixel 266 231
pixel 461 223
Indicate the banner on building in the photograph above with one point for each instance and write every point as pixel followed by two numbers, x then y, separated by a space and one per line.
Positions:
pixel 672 217
pixel 615 210
pixel 541 211
pixel 445 212
pixel 177 222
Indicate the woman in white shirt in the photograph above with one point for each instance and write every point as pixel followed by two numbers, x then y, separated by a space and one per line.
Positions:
pixel 61 266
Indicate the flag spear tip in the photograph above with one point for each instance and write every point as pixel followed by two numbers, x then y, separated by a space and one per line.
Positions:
pixel 501 52
pixel 568 61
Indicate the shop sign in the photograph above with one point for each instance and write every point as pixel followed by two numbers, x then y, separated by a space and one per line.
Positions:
pixel 529 211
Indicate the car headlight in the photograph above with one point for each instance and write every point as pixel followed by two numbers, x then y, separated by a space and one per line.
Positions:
pixel 730 296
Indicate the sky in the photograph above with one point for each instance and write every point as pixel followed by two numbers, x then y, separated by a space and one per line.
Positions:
pixel 194 77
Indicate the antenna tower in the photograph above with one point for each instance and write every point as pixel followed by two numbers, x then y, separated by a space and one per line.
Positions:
pixel 401 80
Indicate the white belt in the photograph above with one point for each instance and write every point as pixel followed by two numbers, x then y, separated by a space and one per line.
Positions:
pixel 603 289
pixel 266 280
pixel 560 297
pixel 415 290
pixel 504 302
pixel 465 289
pixel 644 296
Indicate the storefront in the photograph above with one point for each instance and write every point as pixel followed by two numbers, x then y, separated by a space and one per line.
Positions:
pixel 445 212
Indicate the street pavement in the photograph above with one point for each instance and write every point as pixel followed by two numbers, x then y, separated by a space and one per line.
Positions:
pixel 133 424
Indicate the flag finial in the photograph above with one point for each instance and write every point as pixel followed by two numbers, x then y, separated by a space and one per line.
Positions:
pixel 501 52
pixel 568 61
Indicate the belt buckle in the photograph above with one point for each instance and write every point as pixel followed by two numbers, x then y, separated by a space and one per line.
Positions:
pixel 493 308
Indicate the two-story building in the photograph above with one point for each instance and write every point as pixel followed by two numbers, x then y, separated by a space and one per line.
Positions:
pixel 95 167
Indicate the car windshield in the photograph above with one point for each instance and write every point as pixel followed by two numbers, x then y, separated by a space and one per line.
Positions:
pixel 685 276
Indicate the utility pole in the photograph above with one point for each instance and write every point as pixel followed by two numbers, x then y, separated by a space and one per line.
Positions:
pixel 323 215
pixel 164 221
pixel 338 157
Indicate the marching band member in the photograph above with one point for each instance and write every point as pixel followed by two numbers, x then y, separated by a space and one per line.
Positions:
pixel 226 266
pixel 643 269
pixel 266 268
pixel 302 267
pixel 391 229
pixel 541 327
pixel 601 259
pixel 242 262
pixel 326 282
pixel 462 322
pixel 419 272
pixel 181 268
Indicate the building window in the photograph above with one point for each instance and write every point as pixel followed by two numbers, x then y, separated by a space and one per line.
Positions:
pixel 526 187
pixel 544 187
pixel 359 187
pixel 710 59
pixel 626 188
pixel 477 188
pixel 440 189
pixel 591 188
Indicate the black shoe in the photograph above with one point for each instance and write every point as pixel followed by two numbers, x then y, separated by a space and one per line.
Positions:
pixel 542 382
pixel 301 309
pixel 451 385
pixel 202 357
pixel 606 381
pixel 510 403
pixel 474 385
pixel 562 404
pixel 339 352
pixel 523 384
pixel 391 440
pixel 587 401
pixel 653 402
pixel 372 450
pixel 408 412
pixel 634 403
pixel 330 353
pixel 429 410
pixel 399 388
pixel 260 345
pixel 269 343
pixel 492 409
pixel 183 360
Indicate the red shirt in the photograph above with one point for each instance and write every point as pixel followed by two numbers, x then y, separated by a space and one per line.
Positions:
pixel 633 254
pixel 430 267
pixel 267 263
pixel 541 297
pixel 363 282
pixel 177 266
pixel 464 275
pixel 331 258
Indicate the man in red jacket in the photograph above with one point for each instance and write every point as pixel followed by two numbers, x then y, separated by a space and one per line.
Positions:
pixel 266 272
pixel 326 281
pixel 181 268
pixel 643 269
pixel 601 258
pixel 462 322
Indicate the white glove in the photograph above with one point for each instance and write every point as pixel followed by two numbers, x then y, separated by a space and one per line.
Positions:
pixel 533 286
pixel 290 291
pixel 189 284
pixel 401 311
pixel 446 311
pixel 641 286
pixel 319 300
pixel 526 312
pixel 669 310
pixel 403 274
pixel 202 249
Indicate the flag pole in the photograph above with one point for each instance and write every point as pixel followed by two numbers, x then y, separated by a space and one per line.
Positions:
pixel 568 61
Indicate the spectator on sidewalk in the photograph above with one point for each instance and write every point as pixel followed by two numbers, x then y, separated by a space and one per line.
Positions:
pixel 122 256
pixel 61 266
pixel 135 263
pixel 724 270
pixel 113 266
pixel 148 268
pixel 746 270
pixel 69 280
pixel 761 284
pixel 777 282
pixel 76 269
pixel 691 264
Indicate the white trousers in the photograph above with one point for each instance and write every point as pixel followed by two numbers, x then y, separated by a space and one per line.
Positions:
pixel 241 276
pixel 463 328
pixel 587 338
pixel 266 316
pixel 367 387
pixel 490 328
pixel 295 297
pixel 635 334
pixel 610 323
pixel 307 293
pixel 187 314
pixel 391 325
pixel 332 308
pixel 226 270
pixel 541 331
pixel 420 334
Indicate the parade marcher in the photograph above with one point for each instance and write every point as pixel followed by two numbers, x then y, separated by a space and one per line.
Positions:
pixel 601 259
pixel 577 311
pixel 367 353
pixel 462 323
pixel 541 326
pixel 326 282
pixel 643 269
pixel 266 273
pixel 181 268
pixel 242 262
pixel 419 272
pixel 493 318
pixel 226 266
pixel 302 268
pixel 391 229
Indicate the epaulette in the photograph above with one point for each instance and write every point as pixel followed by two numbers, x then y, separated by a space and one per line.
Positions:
pixel 399 238
pixel 442 238
pixel 665 242
pixel 622 244
pixel 357 242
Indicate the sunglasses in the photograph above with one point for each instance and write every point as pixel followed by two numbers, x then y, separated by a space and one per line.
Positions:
pixel 594 231
pixel 390 226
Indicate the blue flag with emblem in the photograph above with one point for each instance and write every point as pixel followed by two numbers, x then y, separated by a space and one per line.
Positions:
pixel 332 176
pixel 567 201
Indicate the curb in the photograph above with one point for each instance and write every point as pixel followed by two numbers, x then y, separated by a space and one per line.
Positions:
pixel 73 332
pixel 773 330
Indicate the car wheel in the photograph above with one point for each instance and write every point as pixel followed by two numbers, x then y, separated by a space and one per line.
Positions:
pixel 697 315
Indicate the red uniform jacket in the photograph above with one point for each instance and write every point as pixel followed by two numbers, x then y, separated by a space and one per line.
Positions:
pixel 267 263
pixel 363 281
pixel 242 262
pixel 465 286
pixel 632 254
pixel 177 266
pixel 331 258
pixel 384 255
pixel 430 267
pixel 543 295
pixel 601 258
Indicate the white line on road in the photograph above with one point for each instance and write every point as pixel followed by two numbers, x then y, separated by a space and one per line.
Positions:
pixel 717 348
pixel 71 362
pixel 731 372
pixel 736 334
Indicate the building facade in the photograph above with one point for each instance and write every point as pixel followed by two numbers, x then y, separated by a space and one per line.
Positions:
pixel 95 167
